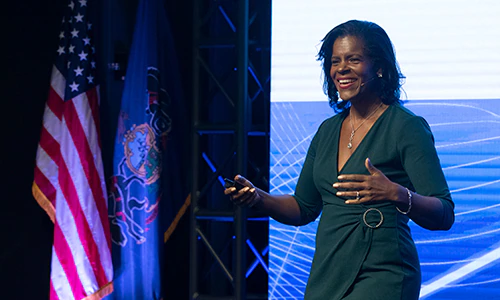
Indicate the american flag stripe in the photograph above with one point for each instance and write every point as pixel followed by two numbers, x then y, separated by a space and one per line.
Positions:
pixel 56 93
pixel 83 271
pixel 48 189
pixel 89 151
pixel 63 290
pixel 53 105
pixel 69 170
pixel 51 149
pixel 47 157
pixel 52 292
pixel 66 266
pixel 72 175
pixel 46 173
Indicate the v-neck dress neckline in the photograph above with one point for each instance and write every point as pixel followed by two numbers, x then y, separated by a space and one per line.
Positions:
pixel 361 143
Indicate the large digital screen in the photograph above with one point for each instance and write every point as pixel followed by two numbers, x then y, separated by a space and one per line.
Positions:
pixel 450 53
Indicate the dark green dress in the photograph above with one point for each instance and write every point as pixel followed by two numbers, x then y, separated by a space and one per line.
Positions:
pixel 356 257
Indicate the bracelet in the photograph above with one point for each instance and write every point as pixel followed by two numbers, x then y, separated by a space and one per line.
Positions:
pixel 409 203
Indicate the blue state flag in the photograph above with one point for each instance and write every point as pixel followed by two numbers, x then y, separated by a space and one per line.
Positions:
pixel 147 190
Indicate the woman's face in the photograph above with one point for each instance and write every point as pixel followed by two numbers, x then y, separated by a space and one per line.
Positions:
pixel 352 71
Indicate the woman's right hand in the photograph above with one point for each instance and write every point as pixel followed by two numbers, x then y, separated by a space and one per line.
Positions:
pixel 246 196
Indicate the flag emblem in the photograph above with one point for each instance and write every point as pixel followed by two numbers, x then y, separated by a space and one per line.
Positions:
pixel 140 167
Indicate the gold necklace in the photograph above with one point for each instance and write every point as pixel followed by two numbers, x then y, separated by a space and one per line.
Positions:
pixel 353 131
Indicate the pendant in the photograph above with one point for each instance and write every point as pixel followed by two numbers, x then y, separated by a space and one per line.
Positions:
pixel 349 145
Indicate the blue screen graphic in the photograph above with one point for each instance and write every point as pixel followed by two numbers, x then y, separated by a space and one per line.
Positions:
pixel 463 263
pixel 450 54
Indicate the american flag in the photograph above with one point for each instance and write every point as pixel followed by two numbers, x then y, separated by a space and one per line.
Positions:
pixel 69 178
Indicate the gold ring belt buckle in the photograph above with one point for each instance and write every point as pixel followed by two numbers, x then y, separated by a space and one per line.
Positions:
pixel 381 218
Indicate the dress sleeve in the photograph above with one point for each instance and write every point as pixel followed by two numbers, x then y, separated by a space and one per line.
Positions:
pixel 306 194
pixel 421 162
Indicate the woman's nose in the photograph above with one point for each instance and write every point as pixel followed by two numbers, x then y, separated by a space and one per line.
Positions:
pixel 341 67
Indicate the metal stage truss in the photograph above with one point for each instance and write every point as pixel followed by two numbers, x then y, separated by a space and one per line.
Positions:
pixel 230 135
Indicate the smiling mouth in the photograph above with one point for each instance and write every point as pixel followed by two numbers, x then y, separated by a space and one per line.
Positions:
pixel 345 83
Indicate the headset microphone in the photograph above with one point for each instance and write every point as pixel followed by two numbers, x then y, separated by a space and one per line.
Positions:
pixel 363 83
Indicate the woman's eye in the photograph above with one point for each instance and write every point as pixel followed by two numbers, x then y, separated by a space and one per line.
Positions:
pixel 355 60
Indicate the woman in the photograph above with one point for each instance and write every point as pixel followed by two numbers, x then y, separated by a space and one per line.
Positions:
pixel 368 170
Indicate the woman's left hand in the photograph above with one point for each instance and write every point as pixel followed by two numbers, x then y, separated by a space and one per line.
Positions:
pixel 366 188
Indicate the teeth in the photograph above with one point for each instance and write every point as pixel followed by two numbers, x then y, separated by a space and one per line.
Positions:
pixel 344 81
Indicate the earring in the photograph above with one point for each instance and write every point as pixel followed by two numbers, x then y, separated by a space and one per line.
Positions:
pixel 379 75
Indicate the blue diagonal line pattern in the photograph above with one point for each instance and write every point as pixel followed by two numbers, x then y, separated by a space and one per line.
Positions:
pixel 462 263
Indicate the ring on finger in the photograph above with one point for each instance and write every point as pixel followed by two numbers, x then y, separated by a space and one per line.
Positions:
pixel 357 195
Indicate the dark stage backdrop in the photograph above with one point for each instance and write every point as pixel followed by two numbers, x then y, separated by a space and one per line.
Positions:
pixel 26 231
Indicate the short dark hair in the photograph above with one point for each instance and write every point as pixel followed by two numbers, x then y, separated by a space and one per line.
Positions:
pixel 379 49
